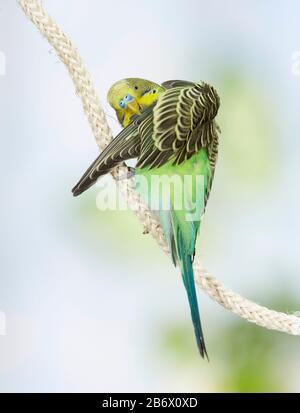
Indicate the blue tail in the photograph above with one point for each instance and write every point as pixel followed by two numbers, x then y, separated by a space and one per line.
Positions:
pixel 184 239
pixel 181 237
pixel 189 283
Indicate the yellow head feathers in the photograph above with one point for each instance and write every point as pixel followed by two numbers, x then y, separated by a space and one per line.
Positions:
pixel 130 96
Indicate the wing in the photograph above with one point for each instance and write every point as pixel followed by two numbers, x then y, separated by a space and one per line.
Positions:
pixel 182 124
pixel 124 146
pixel 170 84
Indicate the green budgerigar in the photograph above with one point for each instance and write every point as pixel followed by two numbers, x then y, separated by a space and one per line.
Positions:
pixel 171 130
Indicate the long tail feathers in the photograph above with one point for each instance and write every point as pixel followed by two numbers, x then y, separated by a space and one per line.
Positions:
pixel 189 283
pixel 184 240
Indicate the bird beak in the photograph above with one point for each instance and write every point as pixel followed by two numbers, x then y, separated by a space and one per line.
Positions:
pixel 133 107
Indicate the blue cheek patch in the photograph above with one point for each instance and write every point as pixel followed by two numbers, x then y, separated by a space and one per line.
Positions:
pixel 128 98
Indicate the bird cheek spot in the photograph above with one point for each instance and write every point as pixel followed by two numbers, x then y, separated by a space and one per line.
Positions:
pixel 128 98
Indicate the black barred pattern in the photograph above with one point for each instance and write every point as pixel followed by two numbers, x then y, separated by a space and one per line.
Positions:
pixel 176 127
pixel 182 125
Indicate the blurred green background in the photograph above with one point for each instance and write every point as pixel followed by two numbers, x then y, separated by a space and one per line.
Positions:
pixel 91 303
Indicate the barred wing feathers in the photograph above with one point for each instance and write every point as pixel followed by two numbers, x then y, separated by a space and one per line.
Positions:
pixel 183 123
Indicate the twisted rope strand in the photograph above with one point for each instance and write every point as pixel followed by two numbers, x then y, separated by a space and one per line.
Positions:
pixel 69 55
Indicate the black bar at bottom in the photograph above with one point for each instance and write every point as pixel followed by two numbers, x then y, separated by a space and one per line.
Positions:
pixel 137 401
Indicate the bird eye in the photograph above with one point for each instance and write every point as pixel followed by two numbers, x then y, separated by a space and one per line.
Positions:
pixel 154 91
pixel 136 87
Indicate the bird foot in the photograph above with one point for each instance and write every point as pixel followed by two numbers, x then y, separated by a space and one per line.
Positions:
pixel 146 230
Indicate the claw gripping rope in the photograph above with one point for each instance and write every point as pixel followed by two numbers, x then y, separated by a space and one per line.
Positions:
pixel 69 55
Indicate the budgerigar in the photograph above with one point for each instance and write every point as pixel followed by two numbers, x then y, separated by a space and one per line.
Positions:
pixel 170 129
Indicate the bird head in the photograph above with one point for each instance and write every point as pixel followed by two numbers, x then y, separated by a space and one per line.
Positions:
pixel 130 96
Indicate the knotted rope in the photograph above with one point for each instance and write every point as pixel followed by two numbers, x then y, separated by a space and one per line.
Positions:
pixel 69 55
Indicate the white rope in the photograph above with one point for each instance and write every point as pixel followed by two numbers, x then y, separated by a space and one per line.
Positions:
pixel 68 54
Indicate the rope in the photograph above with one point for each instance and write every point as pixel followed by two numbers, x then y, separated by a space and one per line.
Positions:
pixel 69 55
